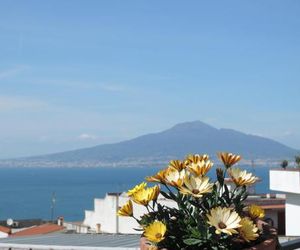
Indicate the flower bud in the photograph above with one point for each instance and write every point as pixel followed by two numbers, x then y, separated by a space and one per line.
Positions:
pixel 220 175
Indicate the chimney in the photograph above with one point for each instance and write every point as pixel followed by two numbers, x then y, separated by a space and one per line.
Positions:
pixel 60 221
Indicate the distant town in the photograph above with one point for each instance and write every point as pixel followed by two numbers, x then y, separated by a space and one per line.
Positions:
pixel 142 162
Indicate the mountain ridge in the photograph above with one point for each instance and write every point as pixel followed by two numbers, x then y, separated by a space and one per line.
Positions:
pixel 158 148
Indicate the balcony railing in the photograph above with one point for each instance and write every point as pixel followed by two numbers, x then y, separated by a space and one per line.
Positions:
pixel 290 245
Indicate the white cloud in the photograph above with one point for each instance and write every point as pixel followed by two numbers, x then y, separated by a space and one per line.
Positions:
pixel 12 71
pixel 85 136
pixel 9 103
pixel 258 134
pixel 109 87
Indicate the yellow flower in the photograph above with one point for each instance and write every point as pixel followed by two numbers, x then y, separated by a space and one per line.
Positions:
pixel 126 210
pixel 155 232
pixel 152 247
pixel 144 196
pixel 177 164
pixel 256 212
pixel 224 220
pixel 158 177
pixel 174 177
pixel 241 177
pixel 200 167
pixel 195 158
pixel 136 188
pixel 228 159
pixel 155 192
pixel 248 230
pixel 196 185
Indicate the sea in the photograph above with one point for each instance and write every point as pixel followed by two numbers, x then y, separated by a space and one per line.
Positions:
pixel 47 193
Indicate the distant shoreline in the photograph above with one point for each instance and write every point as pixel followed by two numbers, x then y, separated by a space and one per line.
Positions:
pixel 129 167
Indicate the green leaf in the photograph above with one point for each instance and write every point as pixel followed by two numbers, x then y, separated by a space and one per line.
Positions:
pixel 226 194
pixel 165 194
pixel 192 241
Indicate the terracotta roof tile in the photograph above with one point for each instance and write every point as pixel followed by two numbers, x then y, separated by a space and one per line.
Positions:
pixel 42 229
pixel 5 229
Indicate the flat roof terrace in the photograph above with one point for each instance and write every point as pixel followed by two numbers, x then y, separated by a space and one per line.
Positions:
pixel 64 241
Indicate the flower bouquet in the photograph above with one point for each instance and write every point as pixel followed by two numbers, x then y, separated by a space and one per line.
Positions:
pixel 207 214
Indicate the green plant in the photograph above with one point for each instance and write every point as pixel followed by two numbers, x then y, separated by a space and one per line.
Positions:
pixel 297 160
pixel 207 215
pixel 284 164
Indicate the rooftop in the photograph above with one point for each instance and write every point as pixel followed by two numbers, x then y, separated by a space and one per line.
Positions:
pixel 5 229
pixel 73 241
pixel 41 229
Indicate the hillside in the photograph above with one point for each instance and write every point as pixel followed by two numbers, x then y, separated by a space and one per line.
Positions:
pixel 158 148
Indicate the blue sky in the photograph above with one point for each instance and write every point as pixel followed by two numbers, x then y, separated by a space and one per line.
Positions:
pixel 81 73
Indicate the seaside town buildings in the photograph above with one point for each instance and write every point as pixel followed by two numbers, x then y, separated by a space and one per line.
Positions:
pixel 103 229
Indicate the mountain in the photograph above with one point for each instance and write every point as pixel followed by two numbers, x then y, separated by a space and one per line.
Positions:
pixel 157 148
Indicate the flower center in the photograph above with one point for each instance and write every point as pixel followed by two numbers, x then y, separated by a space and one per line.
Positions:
pixel 158 235
pixel 242 234
pixel 222 225
pixel 195 191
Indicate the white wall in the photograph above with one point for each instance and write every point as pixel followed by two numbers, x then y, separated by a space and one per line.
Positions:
pixel 105 214
pixel 3 235
pixel 77 227
pixel 288 181
pixel 127 224
pixel 292 215
pixel 285 180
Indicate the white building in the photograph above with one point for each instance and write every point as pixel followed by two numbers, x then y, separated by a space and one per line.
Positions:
pixel 104 216
pixel 4 232
pixel 288 181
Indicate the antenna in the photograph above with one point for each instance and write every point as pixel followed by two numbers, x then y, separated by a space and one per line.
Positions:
pixel 253 171
pixel 53 201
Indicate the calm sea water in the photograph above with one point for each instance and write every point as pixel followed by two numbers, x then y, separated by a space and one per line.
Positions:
pixel 27 193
